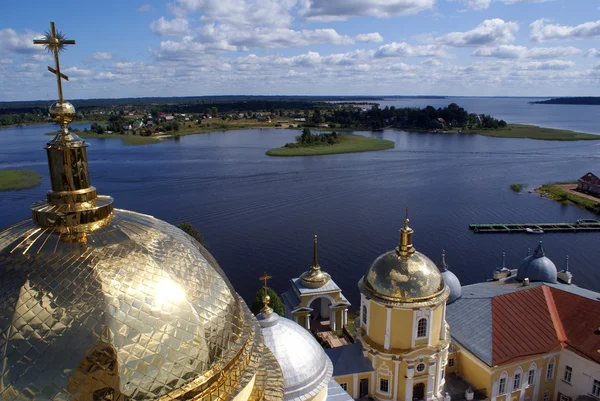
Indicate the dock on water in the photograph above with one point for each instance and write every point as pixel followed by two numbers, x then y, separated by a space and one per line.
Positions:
pixel 537 228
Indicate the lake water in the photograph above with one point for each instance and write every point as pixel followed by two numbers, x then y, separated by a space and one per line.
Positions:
pixel 259 213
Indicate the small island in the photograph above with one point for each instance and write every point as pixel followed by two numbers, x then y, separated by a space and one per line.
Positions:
pixel 11 180
pixel 309 144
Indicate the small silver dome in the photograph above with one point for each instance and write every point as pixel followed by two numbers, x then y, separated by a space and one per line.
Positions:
pixel 450 280
pixel 537 267
pixel 305 366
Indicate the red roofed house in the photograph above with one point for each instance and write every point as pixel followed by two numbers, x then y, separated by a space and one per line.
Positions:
pixel 589 183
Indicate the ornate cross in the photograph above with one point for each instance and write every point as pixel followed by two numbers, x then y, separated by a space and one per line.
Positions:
pixel 264 278
pixel 55 42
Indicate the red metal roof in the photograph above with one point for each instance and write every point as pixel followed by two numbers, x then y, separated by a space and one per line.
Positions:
pixel 541 319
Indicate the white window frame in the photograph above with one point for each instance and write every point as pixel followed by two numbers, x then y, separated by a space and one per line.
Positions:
pixel 531 375
pixel 564 398
pixel 550 369
pixel 502 386
pixel 417 367
pixel 517 381
pixel 425 328
pixel 595 388
pixel 387 385
pixel 344 386
pixel 568 375
pixel 365 313
pixel 450 362
pixel 546 395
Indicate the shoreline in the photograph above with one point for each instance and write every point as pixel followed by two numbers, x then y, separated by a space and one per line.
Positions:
pixel 513 131
pixel 564 193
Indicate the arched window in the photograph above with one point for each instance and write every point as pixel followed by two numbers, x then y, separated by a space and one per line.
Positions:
pixel 364 314
pixel 422 328
pixel 502 383
pixel 517 379
pixel 550 369
pixel 531 375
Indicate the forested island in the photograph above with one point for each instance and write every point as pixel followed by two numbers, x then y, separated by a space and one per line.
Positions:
pixel 309 144
pixel 586 101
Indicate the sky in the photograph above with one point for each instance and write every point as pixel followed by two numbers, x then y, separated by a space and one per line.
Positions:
pixel 132 48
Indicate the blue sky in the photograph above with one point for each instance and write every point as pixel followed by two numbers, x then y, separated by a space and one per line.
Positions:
pixel 305 47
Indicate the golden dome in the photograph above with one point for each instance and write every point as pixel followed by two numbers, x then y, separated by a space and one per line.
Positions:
pixel 403 275
pixel 136 309
pixel 314 277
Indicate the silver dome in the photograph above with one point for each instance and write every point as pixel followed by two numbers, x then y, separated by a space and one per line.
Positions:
pixel 450 280
pixel 305 366
pixel 537 267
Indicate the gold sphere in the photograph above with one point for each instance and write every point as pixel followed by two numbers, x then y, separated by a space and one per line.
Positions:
pixel 62 113
pixel 266 299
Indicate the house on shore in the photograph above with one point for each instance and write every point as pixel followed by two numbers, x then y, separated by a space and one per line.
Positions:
pixel 589 183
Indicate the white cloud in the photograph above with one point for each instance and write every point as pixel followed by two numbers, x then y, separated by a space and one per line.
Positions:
pixel 405 50
pixel 542 30
pixel 485 4
pixel 106 76
pixel 101 56
pixel 174 27
pixel 239 12
pixel 13 42
pixel 226 38
pixel 373 37
pixel 548 65
pixel 328 10
pixel 77 72
pixel 145 8
pixel 592 53
pixel 477 4
pixel 294 73
pixel 488 33
pixel 522 52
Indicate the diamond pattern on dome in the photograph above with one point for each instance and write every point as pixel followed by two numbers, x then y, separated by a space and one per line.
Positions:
pixel 133 311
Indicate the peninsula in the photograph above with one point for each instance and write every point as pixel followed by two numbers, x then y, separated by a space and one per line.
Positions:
pixel 589 101
pixel 11 180
pixel 309 144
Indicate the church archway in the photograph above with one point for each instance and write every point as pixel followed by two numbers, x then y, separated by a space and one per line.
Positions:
pixel 419 391
pixel 321 312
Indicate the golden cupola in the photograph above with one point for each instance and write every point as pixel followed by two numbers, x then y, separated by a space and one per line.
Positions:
pixel 403 275
pixel 314 277
pixel 108 304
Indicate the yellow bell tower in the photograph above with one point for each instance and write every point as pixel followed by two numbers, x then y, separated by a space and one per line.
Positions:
pixel 403 328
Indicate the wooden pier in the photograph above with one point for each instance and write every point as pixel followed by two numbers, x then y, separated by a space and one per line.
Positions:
pixel 579 226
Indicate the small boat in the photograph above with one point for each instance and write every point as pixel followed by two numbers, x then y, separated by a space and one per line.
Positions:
pixel 534 230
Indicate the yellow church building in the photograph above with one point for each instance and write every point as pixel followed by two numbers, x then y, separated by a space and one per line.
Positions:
pixel 529 334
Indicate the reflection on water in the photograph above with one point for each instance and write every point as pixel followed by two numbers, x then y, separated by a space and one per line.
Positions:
pixel 259 213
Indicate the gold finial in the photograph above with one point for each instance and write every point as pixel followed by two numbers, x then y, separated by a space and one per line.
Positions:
pixel 266 298
pixel 73 205
pixel 314 277
pixel 315 256
pixel 405 248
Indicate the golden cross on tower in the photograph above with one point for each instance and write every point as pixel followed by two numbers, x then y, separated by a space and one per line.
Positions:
pixel 55 42
pixel 266 299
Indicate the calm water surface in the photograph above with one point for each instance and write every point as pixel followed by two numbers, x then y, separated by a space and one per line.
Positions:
pixel 259 213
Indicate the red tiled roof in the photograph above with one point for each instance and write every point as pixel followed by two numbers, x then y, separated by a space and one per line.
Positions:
pixel 541 319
